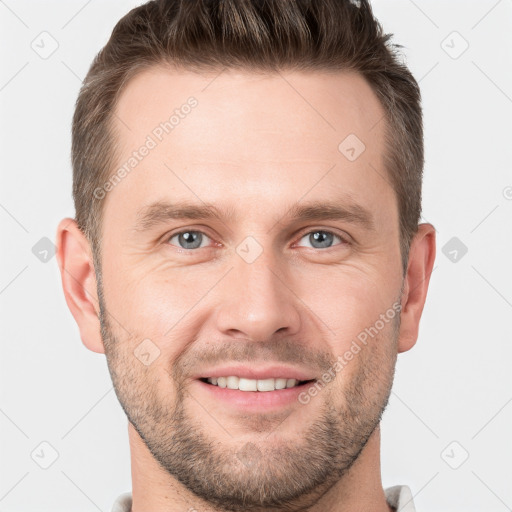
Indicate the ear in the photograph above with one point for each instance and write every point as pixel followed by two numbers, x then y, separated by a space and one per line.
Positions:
pixel 74 257
pixel 422 254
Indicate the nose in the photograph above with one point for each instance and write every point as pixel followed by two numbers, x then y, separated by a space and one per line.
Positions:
pixel 258 300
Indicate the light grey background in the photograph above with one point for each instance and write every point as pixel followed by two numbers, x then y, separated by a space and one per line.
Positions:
pixel 453 391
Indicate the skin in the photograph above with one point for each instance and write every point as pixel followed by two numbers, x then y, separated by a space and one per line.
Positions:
pixel 254 145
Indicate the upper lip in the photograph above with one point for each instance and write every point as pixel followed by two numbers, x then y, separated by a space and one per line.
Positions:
pixel 257 373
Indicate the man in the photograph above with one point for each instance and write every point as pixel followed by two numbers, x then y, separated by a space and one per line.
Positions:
pixel 246 249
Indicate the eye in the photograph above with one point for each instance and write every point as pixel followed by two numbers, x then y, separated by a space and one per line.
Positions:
pixel 194 239
pixel 322 239
pixel 189 239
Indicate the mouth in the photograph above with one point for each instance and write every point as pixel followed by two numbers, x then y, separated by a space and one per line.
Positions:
pixel 255 396
pixel 259 385
pixel 257 388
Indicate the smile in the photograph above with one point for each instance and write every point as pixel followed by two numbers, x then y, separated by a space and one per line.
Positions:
pixel 243 384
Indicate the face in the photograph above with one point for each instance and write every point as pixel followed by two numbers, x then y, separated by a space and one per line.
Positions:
pixel 249 240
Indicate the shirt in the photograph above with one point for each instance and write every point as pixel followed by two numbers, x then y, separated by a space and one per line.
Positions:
pixel 399 497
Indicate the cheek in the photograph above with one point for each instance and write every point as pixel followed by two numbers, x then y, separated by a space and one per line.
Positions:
pixel 352 302
pixel 366 368
pixel 151 302
pixel 162 311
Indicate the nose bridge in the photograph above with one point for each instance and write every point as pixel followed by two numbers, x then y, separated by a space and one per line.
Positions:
pixel 259 283
pixel 257 301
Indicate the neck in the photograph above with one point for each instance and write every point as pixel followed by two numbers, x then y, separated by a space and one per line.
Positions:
pixel 154 489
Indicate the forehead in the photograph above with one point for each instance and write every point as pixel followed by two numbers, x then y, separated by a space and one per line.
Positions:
pixel 245 134
pixel 313 106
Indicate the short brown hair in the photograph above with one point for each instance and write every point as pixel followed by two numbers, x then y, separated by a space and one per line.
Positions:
pixel 265 35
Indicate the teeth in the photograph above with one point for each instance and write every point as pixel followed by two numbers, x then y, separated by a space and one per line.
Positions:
pixel 233 382
pixel 280 383
pixel 248 385
pixel 266 384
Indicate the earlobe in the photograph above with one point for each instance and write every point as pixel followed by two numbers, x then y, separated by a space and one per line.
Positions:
pixel 74 257
pixel 421 261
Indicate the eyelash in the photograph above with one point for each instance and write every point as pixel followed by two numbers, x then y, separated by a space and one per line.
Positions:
pixel 344 241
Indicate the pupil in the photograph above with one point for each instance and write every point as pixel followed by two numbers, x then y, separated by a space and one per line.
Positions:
pixel 323 237
pixel 191 237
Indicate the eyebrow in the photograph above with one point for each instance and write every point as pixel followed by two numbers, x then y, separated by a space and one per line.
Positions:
pixel 160 212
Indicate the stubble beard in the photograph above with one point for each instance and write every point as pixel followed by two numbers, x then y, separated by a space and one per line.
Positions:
pixel 255 476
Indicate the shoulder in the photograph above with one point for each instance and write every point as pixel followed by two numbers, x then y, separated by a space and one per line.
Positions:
pixel 123 503
pixel 400 498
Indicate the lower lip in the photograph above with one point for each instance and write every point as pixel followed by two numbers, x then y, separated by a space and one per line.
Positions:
pixel 256 400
